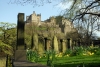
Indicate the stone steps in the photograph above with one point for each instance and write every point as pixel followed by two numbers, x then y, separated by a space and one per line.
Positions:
pixel 20 55
pixel 28 64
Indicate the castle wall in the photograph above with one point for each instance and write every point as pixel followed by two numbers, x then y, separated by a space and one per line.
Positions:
pixel 64 27
pixel 33 18
pixel 67 26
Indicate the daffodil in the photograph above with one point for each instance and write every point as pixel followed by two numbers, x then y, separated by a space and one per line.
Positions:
pixel 92 53
pixel 60 56
pixel 50 57
pixel 84 54
pixel 56 55
pixel 68 55
pixel 95 50
pixel 40 57
pixel 60 53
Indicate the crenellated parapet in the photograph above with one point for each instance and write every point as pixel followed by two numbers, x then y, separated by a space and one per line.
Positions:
pixel 64 26
pixel 34 18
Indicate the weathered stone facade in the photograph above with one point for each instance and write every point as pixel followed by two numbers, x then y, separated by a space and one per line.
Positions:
pixel 65 26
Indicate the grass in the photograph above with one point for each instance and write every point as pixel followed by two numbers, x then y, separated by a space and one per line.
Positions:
pixel 90 57
pixel 75 60
pixel 80 60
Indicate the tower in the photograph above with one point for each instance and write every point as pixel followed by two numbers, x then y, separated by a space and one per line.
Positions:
pixel 34 18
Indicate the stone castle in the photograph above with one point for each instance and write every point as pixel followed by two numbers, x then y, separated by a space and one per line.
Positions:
pixel 64 25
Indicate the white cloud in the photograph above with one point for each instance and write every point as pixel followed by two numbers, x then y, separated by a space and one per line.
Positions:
pixel 98 33
pixel 64 6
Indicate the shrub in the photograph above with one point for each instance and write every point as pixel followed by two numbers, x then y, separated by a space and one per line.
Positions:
pixel 68 52
pixel 32 56
pixel 97 52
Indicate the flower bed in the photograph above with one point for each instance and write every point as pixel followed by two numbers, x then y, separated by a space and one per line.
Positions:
pixel 77 56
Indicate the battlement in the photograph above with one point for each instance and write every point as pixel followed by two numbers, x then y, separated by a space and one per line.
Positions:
pixel 64 26
pixel 38 14
pixel 36 18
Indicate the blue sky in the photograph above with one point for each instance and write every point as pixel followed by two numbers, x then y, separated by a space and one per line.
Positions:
pixel 8 12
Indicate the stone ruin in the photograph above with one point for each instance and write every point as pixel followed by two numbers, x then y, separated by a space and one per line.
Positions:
pixel 41 42
pixel 46 40
pixel 20 58
pixel 49 34
pixel 64 26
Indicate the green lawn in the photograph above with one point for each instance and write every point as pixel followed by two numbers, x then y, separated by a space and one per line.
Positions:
pixel 72 61
pixel 90 57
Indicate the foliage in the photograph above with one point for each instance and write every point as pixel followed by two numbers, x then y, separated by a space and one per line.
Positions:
pixel 97 52
pixel 81 51
pixel 68 52
pixel 87 7
pixel 73 35
pixel 85 15
pixel 10 37
pixel 81 12
pixel 7 37
pixel 98 38
pixel 6 48
pixel 8 34
pixel 77 56
pixel 58 19
pixel 33 2
pixel 50 57
pixel 32 55
pixel 77 51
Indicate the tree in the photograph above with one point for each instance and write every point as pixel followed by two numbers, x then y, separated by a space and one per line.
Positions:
pixel 80 12
pixel 84 8
pixel 99 38
pixel 6 48
pixel 4 26
pixel 7 37
pixel 85 16
pixel 87 28
pixel 77 10
pixel 33 2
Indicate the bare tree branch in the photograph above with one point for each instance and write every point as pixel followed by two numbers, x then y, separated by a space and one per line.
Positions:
pixel 31 2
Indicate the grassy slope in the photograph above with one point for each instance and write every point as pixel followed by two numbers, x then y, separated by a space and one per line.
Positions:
pixel 73 60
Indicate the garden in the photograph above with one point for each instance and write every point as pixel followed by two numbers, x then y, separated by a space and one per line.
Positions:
pixel 76 57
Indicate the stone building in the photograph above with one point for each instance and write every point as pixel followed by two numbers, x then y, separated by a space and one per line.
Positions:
pixel 65 26
pixel 34 18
